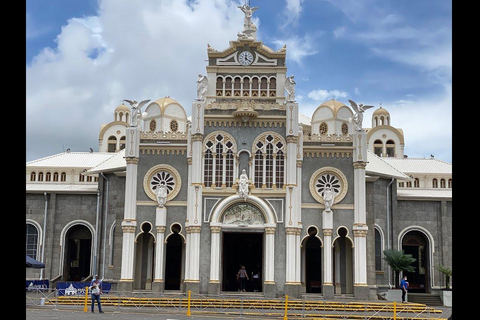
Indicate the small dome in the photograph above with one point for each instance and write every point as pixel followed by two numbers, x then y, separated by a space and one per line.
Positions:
pixel 123 108
pixel 334 105
pixel 381 112
pixel 165 102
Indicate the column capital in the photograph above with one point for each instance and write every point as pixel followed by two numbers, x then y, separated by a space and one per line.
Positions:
pixel 327 232
pixel 131 160
pixel 160 229
pixel 193 229
pixel 269 230
pixel 359 165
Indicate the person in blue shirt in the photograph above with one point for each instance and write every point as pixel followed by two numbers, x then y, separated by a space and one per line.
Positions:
pixel 96 290
pixel 404 287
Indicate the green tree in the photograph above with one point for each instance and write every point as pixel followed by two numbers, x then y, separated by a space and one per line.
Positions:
pixel 447 272
pixel 399 262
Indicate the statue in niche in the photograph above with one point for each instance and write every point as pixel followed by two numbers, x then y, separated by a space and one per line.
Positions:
pixel 243 185
pixel 328 198
pixel 161 193
pixel 358 117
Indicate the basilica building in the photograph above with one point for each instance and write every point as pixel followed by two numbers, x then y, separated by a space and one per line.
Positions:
pixel 176 203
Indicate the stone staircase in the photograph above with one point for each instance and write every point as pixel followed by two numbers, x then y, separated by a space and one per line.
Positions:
pixel 425 298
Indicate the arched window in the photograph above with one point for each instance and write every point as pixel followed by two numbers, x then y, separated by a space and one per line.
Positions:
pixel 112 144
pixel 378 147
pixel 416 183
pixel 174 126
pixel 48 176
pixel 219 87
pixel 63 177
pixel 450 183
pixel 153 125
pixel 40 176
pixel 255 87
pixel 32 241
pixel 435 183
pixel 273 87
pixel 269 161
pixel 123 142
pixel 323 129
pixel 442 183
pixel 33 176
pixel 378 250
pixel 344 128
pixel 390 148
pixel 219 160
pixel 55 176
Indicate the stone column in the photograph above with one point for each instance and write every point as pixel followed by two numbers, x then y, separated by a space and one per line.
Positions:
pixel 129 222
pixel 214 284
pixel 328 290
pixel 360 228
pixel 160 223
pixel 192 279
pixel 269 280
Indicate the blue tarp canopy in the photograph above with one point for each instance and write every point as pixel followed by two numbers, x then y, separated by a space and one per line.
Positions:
pixel 32 263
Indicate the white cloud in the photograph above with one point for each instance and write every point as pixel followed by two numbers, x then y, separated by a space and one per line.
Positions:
pixel 322 95
pixel 127 52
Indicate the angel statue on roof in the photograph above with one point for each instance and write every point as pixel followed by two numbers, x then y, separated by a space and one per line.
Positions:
pixel 358 117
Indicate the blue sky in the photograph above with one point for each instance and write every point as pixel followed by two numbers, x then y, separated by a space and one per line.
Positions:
pixel 84 57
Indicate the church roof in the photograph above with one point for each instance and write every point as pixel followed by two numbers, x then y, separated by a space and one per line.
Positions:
pixel 378 167
pixel 420 165
pixel 115 163
pixel 71 160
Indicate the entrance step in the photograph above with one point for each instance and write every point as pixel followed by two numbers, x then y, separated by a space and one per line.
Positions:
pixel 425 298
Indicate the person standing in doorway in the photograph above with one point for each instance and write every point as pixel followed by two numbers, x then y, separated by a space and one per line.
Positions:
pixel 96 290
pixel 242 276
pixel 404 287
pixel 256 279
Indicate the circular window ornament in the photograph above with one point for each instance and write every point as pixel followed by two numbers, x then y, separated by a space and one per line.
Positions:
pixel 162 174
pixel 328 177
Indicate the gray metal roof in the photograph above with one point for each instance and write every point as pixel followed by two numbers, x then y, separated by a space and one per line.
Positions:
pixel 420 165
pixel 71 160
pixel 424 194
pixel 378 167
pixel 33 187
pixel 115 163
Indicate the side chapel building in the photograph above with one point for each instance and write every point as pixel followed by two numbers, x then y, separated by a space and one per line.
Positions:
pixel 101 213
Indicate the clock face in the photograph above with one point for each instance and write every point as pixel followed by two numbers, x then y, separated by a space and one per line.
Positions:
pixel 245 58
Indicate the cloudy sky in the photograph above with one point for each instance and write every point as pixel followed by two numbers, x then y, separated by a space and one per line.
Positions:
pixel 84 57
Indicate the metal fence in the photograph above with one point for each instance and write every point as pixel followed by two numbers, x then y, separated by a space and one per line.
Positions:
pixel 279 308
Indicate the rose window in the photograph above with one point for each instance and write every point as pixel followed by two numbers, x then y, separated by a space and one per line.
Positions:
pixel 162 178
pixel 327 181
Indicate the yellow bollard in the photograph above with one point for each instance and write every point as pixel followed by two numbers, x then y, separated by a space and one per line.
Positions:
pixel 85 308
pixel 188 303
pixel 285 317
pixel 394 310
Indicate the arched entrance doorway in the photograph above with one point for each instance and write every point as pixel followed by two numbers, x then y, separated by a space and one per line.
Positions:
pixel 78 250
pixel 241 248
pixel 416 244
pixel 313 261
pixel 343 262
pixel 173 258
pixel 144 252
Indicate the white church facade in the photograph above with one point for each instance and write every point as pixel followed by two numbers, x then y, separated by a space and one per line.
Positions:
pixel 177 203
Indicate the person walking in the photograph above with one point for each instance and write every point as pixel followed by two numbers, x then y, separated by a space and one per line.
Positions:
pixel 242 276
pixel 256 279
pixel 404 287
pixel 96 290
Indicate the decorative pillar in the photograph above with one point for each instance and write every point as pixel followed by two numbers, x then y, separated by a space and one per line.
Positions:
pixel 160 224
pixel 193 222
pixel 327 289
pixel 214 284
pixel 129 222
pixel 360 228
pixel 269 282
